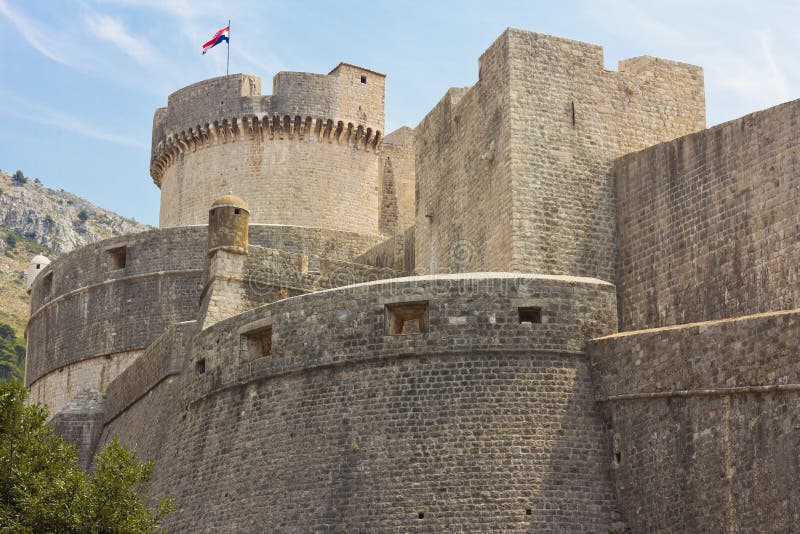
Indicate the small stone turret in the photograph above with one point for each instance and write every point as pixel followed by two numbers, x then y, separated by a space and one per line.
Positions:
pixel 228 220
pixel 35 266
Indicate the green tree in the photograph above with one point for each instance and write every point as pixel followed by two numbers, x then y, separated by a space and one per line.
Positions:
pixel 12 354
pixel 11 240
pixel 83 215
pixel 19 178
pixel 42 489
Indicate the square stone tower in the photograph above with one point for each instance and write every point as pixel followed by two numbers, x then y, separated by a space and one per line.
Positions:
pixel 516 172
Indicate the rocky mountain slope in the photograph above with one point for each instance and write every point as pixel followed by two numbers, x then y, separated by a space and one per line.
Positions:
pixel 57 219
pixel 35 219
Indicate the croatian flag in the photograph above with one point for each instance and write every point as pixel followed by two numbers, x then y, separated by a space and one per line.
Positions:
pixel 221 35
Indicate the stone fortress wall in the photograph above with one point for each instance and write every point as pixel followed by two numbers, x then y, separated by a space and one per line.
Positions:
pixel 516 172
pixel 385 431
pixel 709 223
pixel 90 319
pixel 280 390
pixel 700 390
pixel 704 423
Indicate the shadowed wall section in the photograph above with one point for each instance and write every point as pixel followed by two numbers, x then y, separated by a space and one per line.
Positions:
pixel 709 224
pixel 703 420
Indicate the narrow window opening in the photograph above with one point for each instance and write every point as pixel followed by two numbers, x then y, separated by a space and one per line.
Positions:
pixel 528 511
pixel 38 266
pixel 573 113
pixel 421 515
pixel 200 366
pixel 405 318
pixel 363 79
pixel 47 283
pixel 617 457
pixel 236 211
pixel 530 315
pixel 117 258
pixel 259 342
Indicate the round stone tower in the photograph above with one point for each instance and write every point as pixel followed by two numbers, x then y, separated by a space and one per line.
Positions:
pixel 228 221
pixel 302 156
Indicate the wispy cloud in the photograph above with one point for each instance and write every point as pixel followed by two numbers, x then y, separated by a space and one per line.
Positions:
pixel 79 41
pixel 749 76
pixel 112 30
pixel 196 20
pixel 45 42
pixel 630 21
pixel 99 37
pixel 777 75
pixel 22 108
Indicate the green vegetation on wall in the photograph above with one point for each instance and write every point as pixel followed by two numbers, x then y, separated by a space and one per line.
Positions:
pixel 42 488
pixel 12 354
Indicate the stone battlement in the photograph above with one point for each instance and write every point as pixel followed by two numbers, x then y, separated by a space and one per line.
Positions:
pixel 251 128
pixel 219 136
pixel 339 96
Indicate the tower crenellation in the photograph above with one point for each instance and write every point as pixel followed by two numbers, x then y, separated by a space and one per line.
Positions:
pixel 314 129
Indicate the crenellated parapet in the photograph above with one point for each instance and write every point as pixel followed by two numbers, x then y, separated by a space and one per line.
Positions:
pixel 262 129
pixel 301 156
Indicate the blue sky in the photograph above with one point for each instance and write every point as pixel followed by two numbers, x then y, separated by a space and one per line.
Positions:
pixel 81 79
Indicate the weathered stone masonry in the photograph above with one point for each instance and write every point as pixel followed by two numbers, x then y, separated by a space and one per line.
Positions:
pixel 709 223
pixel 382 428
pixel 288 369
pixel 705 423
pixel 515 172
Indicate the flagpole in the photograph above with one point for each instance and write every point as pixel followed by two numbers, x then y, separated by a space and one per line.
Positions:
pixel 228 65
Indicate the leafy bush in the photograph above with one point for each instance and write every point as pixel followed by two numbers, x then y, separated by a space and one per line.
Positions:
pixel 42 489
pixel 48 220
pixel 83 215
pixel 19 178
pixel 12 354
pixel 11 240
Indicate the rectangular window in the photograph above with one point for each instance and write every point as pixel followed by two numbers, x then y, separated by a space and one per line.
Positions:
pixel 258 342
pixel 363 79
pixel 404 318
pixel 530 315
pixel 200 366
pixel 117 258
